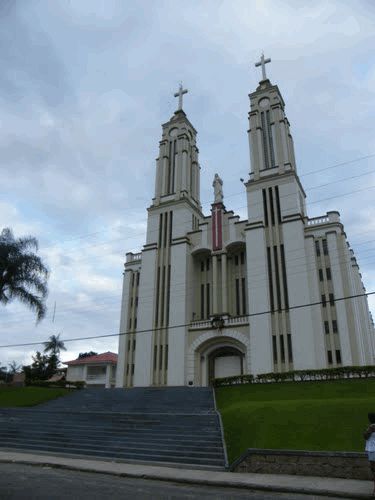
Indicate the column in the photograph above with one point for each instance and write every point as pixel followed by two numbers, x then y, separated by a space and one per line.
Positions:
pixel 108 377
pixel 146 300
pixel 261 360
pixel 335 257
pixel 214 285
pixel 120 372
pixel 224 285
pixel 178 313
pixel 301 319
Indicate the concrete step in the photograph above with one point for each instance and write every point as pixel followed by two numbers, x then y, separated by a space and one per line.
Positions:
pixel 114 440
pixel 144 457
pixel 115 447
pixel 169 425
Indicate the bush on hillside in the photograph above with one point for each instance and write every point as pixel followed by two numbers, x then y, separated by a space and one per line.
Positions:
pixel 342 372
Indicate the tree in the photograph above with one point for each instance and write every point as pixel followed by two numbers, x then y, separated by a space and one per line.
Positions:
pixel 14 368
pixel 86 354
pixel 42 367
pixel 54 345
pixel 23 275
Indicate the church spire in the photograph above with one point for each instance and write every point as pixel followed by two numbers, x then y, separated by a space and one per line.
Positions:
pixel 271 143
pixel 177 167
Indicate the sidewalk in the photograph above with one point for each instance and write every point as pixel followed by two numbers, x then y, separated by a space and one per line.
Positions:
pixel 345 488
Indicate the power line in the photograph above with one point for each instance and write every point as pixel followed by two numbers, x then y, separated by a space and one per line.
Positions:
pixel 241 192
pixel 150 330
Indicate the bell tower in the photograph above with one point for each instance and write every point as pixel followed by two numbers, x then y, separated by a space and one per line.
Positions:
pixel 270 140
pixel 177 167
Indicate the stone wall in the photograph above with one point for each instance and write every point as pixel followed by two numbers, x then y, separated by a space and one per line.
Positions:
pixel 348 465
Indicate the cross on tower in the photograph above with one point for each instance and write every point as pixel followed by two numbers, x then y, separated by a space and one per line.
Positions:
pixel 263 63
pixel 179 94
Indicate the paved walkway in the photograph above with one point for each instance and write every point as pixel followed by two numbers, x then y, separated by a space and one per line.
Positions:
pixel 345 488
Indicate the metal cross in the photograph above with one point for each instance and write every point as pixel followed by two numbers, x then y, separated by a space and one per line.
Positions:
pixel 263 63
pixel 179 94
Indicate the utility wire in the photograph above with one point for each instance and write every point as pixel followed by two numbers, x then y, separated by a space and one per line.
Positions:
pixel 150 330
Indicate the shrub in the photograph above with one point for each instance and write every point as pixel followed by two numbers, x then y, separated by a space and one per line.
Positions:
pixel 340 372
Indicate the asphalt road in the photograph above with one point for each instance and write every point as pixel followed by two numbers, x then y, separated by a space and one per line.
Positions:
pixel 19 482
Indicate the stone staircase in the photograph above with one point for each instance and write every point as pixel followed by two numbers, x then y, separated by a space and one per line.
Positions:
pixel 171 425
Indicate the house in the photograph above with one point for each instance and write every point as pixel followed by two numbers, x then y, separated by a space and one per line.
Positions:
pixel 96 371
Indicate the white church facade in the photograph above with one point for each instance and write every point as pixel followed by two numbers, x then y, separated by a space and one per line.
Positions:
pixel 213 296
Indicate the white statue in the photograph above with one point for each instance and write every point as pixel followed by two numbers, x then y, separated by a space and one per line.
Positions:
pixel 218 189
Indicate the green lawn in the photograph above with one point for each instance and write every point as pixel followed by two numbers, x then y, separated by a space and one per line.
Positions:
pixel 27 396
pixel 304 416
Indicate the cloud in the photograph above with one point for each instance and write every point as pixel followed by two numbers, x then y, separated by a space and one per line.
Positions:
pixel 84 89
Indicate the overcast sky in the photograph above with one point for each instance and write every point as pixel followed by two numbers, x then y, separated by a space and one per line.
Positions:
pixel 84 89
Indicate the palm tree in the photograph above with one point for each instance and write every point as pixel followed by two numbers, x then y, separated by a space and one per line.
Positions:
pixel 23 275
pixel 54 345
pixel 14 367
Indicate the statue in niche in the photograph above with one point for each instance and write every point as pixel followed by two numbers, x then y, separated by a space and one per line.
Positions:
pixel 218 189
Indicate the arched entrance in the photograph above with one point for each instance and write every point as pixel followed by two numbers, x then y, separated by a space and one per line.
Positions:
pixel 225 361
pixel 219 356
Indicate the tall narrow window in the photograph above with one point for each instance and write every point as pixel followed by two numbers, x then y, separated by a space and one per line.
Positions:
pixel 138 278
pixel 161 358
pixel 317 248
pixel 338 356
pixel 158 291
pixel 202 301
pixel 170 227
pixel 329 354
pixel 270 281
pixel 160 229
pixel 162 293
pixel 270 142
pixel 208 299
pixel 243 296
pixel 326 326
pixel 168 292
pixel 271 206
pixel 277 278
pixel 202 265
pixel 282 348
pixel 278 204
pixel 236 260
pixel 290 351
pixel 325 247
pixel 169 168
pixel 328 273
pixel 264 137
pixel 334 326
pixel 331 299
pixel 171 189
pixel 274 348
pixel 324 303
pixel 208 264
pixel 321 275
pixel 264 192
pixel 155 357
pixel 242 258
pixel 238 297
pixel 285 282
pixel 165 228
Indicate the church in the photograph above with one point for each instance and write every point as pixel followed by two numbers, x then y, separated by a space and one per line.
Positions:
pixel 215 296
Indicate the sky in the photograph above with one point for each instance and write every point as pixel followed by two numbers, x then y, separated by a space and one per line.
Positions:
pixel 84 88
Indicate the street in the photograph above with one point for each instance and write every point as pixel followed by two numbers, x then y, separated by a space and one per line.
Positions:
pixel 19 482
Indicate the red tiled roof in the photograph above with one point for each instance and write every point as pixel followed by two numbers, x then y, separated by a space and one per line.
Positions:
pixel 105 357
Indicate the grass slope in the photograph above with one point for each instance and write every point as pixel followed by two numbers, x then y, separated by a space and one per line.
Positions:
pixel 27 396
pixel 304 416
